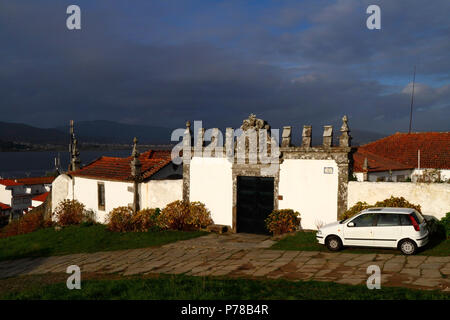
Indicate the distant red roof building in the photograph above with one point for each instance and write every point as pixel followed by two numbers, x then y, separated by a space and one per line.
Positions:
pixel 9 182
pixel 113 168
pixel 36 180
pixel 400 152
pixel 41 197
pixel 4 206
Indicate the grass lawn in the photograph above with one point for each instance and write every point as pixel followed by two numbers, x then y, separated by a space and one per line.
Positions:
pixel 306 241
pixel 81 239
pixel 180 287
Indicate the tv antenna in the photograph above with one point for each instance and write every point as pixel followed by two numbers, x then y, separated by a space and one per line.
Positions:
pixel 412 101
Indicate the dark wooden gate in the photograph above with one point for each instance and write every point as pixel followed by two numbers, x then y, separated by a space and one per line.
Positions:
pixel 255 197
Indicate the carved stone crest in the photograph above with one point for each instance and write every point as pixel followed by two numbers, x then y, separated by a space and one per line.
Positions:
pixel 254 123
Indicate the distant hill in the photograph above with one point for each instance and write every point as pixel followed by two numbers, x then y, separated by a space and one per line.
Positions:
pixel 19 132
pixel 102 131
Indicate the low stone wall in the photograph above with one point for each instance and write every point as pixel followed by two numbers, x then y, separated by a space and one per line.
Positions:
pixel 434 198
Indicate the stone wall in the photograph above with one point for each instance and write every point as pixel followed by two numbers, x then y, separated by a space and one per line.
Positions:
pixel 434 198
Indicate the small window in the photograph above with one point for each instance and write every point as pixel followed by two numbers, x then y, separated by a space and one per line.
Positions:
pixel 405 220
pixel 101 196
pixel 364 220
pixel 388 220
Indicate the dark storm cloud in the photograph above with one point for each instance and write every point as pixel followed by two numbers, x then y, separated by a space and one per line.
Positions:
pixel 291 62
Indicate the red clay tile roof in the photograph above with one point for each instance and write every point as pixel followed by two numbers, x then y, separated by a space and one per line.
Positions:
pixel 4 206
pixel 376 163
pixel 36 180
pixel 41 197
pixel 9 182
pixel 401 148
pixel 114 168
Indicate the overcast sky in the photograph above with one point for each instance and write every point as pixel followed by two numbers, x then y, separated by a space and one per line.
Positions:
pixel 164 62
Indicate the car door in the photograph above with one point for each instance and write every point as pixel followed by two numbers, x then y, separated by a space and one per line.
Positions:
pixel 387 230
pixel 358 231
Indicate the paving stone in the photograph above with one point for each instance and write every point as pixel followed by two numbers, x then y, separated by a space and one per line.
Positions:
pixel 243 255
pixel 392 267
pixel 430 273
pixel 426 282
pixel 411 271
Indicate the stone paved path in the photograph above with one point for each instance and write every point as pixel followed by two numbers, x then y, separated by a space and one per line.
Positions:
pixel 244 255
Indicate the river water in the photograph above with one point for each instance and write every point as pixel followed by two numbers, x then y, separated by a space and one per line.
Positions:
pixel 38 163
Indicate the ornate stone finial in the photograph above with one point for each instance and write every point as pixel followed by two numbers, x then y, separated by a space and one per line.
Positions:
pixel 135 163
pixel 254 123
pixel 345 139
pixel 75 162
pixel 135 152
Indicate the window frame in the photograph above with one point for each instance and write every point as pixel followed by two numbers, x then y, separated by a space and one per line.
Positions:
pixel 101 195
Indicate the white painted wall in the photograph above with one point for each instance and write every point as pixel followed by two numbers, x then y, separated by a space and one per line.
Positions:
pixel 211 183
pixel 159 193
pixel 5 195
pixel 61 190
pixel 445 175
pixel 116 195
pixel 307 189
pixel 434 198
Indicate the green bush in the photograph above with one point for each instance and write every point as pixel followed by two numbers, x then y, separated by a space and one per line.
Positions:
pixel 283 221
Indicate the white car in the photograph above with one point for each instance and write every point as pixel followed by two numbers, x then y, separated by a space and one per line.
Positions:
pixel 402 228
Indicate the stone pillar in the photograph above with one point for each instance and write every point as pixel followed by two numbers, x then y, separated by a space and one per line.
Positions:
pixel 136 175
pixel 345 139
pixel 365 170
pixel 186 161
pixel 229 143
pixel 343 171
pixel 198 148
pixel 306 136
pixel 327 136
pixel 286 137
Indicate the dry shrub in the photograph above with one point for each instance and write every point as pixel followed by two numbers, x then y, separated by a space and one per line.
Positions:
pixel 69 212
pixel 393 202
pixel 120 219
pixel 30 222
pixel 397 202
pixel 283 221
pixel 184 215
pixel 145 220
pixel 356 208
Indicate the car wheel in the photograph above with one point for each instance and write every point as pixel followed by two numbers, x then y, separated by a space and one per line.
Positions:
pixel 408 247
pixel 333 243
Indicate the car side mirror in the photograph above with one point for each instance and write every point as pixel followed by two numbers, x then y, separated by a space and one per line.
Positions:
pixel 350 224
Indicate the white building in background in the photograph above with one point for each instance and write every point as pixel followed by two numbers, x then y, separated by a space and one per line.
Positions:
pixel 417 157
pixel 18 193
